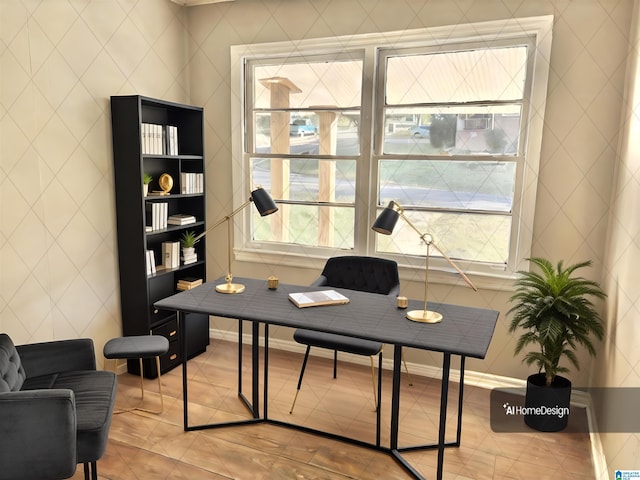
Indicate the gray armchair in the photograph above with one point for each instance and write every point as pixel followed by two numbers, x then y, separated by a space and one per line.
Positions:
pixel 55 409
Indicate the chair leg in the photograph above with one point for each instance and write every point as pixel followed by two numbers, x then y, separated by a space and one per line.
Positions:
pixel 304 365
pixel 86 471
pixel 335 364
pixel 373 380
pixel 94 471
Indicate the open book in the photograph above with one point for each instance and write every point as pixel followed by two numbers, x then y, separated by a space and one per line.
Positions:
pixel 321 297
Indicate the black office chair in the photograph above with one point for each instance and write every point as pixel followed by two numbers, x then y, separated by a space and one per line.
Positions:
pixel 366 274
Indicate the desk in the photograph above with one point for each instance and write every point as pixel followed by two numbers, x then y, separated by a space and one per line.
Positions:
pixel 465 332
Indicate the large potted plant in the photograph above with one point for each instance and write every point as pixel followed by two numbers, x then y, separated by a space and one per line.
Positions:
pixel 554 308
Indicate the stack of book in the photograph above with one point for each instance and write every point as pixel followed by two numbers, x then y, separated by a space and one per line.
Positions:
pixel 171 254
pixel 189 258
pixel 151 262
pixel 156 215
pixel 159 139
pixel 181 219
pixel 188 283
pixel 191 183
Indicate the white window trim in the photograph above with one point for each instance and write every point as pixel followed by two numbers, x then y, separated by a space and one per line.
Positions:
pixel 315 257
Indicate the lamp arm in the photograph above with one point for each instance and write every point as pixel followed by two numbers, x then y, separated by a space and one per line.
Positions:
pixel 446 257
pixel 226 218
pixel 452 263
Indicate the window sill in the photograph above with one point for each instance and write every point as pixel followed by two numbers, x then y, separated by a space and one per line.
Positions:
pixel 500 281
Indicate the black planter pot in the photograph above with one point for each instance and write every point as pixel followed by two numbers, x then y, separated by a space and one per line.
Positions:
pixel 547 408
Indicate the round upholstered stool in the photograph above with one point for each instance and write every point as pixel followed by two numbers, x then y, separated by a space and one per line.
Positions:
pixel 142 346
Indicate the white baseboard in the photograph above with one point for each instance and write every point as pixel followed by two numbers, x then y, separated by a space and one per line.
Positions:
pixel 489 381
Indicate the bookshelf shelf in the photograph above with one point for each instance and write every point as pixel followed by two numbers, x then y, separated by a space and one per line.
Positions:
pixel 156 137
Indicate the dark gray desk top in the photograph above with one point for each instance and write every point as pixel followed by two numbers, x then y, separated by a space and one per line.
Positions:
pixel 463 331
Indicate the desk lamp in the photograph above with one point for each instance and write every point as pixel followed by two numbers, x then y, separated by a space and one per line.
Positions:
pixel 265 206
pixel 384 224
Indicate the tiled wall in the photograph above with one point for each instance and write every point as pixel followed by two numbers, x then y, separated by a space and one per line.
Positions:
pixel 60 61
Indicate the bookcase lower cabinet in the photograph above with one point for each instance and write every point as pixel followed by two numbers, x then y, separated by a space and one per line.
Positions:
pixel 196 328
pixel 160 143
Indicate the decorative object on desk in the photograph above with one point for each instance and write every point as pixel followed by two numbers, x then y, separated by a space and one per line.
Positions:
pixel 402 302
pixel 318 298
pixel 554 310
pixel 265 206
pixel 146 180
pixel 272 282
pixel 385 223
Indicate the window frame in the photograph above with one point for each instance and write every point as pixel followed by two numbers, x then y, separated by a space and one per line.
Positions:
pixel 366 208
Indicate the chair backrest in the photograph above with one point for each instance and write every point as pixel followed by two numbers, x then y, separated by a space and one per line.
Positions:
pixel 12 374
pixel 366 274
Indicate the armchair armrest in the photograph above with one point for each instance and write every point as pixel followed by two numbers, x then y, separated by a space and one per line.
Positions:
pixel 59 356
pixel 38 434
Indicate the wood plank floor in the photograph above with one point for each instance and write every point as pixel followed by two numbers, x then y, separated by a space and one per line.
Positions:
pixel 149 447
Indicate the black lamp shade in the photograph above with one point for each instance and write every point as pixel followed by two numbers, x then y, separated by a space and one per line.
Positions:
pixel 386 221
pixel 263 202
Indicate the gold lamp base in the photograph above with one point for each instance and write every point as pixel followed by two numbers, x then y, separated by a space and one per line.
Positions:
pixel 424 316
pixel 230 288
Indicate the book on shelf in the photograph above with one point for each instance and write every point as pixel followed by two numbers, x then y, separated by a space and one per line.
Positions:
pixel 181 219
pixel 188 259
pixel 188 283
pixel 171 254
pixel 151 262
pixel 191 183
pixel 156 213
pixel 171 134
pixel 159 139
pixel 317 298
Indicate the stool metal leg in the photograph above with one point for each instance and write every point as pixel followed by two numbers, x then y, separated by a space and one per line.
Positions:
pixel 160 385
pixel 157 412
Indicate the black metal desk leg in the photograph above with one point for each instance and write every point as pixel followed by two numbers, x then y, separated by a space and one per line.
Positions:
pixel 255 365
pixel 460 399
pixel 395 397
pixel 240 358
pixel 444 397
pixel 265 380
pixel 183 353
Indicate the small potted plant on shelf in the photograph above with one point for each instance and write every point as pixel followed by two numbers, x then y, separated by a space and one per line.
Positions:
pixel 554 309
pixel 146 180
pixel 188 241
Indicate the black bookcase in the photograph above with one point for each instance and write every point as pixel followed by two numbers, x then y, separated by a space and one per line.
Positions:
pixel 178 149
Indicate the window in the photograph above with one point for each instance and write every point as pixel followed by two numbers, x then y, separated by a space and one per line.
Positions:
pixel 447 122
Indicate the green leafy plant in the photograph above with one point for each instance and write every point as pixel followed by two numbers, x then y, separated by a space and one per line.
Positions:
pixel 146 178
pixel 188 239
pixel 554 310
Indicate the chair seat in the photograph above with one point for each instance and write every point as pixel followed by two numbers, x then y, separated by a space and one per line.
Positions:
pixel 333 341
pixel 140 346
